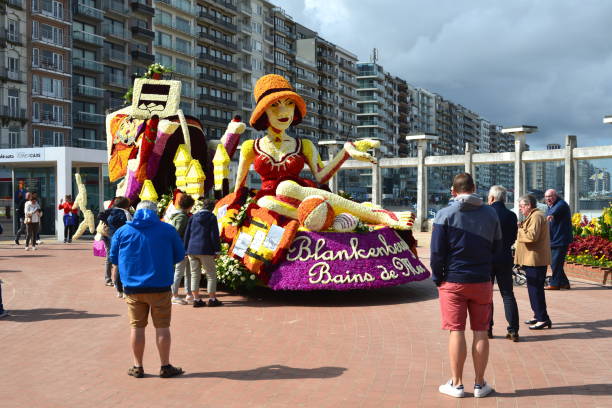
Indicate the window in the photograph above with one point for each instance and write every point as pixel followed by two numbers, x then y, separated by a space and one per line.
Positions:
pixel 259 10
pixel 13 135
pixel 164 59
pixel 58 138
pixel 257 45
pixel 36 111
pixel 88 28
pixel 183 67
pixel 13 102
pixel 36 137
pixel 88 55
pixel 183 25
pixel 13 30
pixel 163 39
pixel 183 46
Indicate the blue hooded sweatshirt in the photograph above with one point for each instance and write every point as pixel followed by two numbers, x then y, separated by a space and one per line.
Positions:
pixel 146 249
pixel 465 237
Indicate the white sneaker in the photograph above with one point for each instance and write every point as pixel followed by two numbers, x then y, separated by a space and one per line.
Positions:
pixel 39 242
pixel 120 295
pixel 178 301
pixel 450 389
pixel 189 300
pixel 27 248
pixel 482 390
pixel 35 248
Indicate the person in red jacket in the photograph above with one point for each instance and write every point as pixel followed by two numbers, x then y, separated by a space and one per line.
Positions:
pixel 71 218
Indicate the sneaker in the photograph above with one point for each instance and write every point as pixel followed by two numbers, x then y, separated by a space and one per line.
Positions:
pixel 16 241
pixel 450 389
pixel 189 300
pixel 199 303
pixel 35 248
pixel 39 242
pixel 27 248
pixel 214 302
pixel 482 390
pixel 109 283
pixel 4 314
pixel 120 295
pixel 178 301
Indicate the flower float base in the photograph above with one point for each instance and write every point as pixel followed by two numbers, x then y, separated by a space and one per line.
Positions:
pixel 345 261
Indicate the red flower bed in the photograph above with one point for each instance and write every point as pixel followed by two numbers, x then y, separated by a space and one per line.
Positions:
pixel 592 245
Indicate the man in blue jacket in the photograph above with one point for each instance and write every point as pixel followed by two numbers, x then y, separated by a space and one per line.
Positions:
pixel 503 260
pixel 465 236
pixel 145 250
pixel 559 218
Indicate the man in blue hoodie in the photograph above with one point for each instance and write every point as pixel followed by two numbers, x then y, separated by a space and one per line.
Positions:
pixel 465 236
pixel 145 251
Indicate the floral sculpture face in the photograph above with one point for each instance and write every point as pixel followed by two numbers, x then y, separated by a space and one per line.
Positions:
pixel 280 113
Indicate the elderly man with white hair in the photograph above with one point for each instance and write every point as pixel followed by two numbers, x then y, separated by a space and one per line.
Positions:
pixel 559 217
pixel 503 260
pixel 145 250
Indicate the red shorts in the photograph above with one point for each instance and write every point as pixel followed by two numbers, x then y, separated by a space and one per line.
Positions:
pixel 456 299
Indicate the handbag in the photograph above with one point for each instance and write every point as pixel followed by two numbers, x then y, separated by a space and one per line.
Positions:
pixel 27 219
pixel 99 249
pixel 103 229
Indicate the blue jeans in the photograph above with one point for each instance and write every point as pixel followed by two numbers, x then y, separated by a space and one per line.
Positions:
pixel 536 276
pixel 558 259
pixel 502 273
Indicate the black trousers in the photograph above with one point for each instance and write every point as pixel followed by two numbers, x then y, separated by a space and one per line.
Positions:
pixel 558 259
pixel 536 276
pixel 502 273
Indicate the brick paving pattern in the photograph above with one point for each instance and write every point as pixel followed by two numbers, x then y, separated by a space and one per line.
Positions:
pixel 67 345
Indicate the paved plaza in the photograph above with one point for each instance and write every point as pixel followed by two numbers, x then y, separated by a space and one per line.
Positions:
pixel 66 344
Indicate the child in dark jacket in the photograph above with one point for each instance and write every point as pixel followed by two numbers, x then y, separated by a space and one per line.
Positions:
pixel 202 244
pixel 116 218
pixel 179 221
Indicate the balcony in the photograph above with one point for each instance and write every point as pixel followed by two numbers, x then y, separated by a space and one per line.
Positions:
pixel 247 105
pixel 13 38
pixel 49 119
pixel 49 65
pixel 214 119
pixel 246 66
pixel 184 6
pixel 327 70
pixel 213 80
pixel 349 80
pixel 115 55
pixel 214 19
pixel 85 143
pixel 140 6
pixel 349 107
pixel 18 4
pixel 57 14
pixel 115 6
pixel 88 38
pixel 348 92
pixel 226 4
pixel 349 67
pixel 143 56
pixel 11 113
pixel 117 32
pixel 207 58
pixel 188 72
pixel 269 38
pixel 114 103
pixel 62 42
pixel 84 10
pixel 328 84
pixel 89 65
pixel 6 75
pixel 329 128
pixel 284 46
pixel 269 20
pixel 246 46
pixel 268 56
pixel 245 28
pixel 118 81
pixel 61 94
pixel 228 45
pixel 246 9
pixel 142 32
pixel 88 91
pixel 204 98
pixel 89 118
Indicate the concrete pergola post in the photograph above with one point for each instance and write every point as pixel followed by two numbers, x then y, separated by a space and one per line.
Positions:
pixel 422 139
pixel 469 166
pixel 570 192
pixel 519 133
pixel 376 180
pixel 333 147
pixel 63 187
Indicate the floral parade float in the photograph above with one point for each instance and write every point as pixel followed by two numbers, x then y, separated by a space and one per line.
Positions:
pixel 292 233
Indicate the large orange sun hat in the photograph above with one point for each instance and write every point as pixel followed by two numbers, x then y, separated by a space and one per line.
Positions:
pixel 271 88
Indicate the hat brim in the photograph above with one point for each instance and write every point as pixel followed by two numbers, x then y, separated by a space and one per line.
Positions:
pixel 268 100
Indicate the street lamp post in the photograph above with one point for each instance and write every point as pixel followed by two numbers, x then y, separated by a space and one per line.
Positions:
pixel 519 133
pixel 421 209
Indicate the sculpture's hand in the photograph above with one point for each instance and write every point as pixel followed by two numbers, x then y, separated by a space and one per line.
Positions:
pixel 359 150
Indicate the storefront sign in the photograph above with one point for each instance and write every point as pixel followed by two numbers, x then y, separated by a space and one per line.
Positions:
pixel 21 155
pixel 342 261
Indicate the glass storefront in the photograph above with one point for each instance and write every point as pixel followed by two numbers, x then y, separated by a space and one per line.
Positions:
pixel 42 181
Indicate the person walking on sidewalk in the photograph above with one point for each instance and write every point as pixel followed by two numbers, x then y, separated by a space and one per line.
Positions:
pixel 71 218
pixel 202 244
pixel 145 251
pixel 182 269
pixel 32 214
pixel 20 215
pixel 117 217
pixel 465 237
pixel 533 254
pixel 503 261
pixel 559 217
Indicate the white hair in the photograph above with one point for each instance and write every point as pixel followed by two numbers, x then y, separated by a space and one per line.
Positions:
pixel 498 193
pixel 147 205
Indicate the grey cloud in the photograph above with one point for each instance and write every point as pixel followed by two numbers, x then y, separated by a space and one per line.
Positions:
pixel 547 63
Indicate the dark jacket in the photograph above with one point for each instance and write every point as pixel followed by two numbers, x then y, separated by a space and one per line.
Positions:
pixel 465 236
pixel 560 227
pixel 115 220
pixel 202 234
pixel 179 221
pixel 146 250
pixel 21 209
pixel 507 222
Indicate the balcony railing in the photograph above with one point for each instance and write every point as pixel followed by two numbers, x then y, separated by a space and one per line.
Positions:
pixel 89 38
pixel 89 118
pixel 215 19
pixel 15 38
pixel 116 80
pixel 139 31
pixel 15 3
pixel 89 65
pixel 179 5
pixel 246 28
pixel 214 119
pixel 246 9
pixel 115 31
pixel 143 56
pixel 53 120
pixel 226 4
pixel 219 41
pixel 140 6
pixel 246 46
pixel 59 94
pixel 50 65
pixel 217 81
pixel 88 11
pixel 208 99
pixel 204 57
pixel 269 20
pixel 247 105
pixel 89 143
pixel 5 74
pixel 247 66
pixel 115 6
pixel 115 55
pixel 58 42
pixel 62 15
pixel 90 91
pixel 12 113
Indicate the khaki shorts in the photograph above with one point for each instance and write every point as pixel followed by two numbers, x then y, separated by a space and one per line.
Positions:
pixel 160 305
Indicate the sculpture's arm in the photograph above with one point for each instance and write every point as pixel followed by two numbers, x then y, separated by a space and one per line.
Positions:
pixel 247 156
pixel 356 150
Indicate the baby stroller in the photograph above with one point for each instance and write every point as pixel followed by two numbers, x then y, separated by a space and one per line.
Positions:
pixel 518 276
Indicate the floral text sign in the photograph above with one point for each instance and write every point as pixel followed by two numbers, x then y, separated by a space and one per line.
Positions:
pixel 343 261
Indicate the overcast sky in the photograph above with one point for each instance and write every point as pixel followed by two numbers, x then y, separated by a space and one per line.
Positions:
pixel 544 63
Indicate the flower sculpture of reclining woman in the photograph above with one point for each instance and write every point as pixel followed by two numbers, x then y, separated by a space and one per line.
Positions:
pixel 279 159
